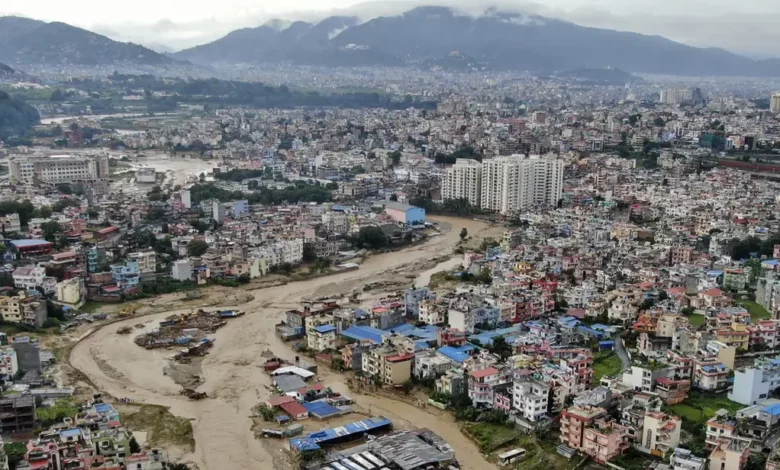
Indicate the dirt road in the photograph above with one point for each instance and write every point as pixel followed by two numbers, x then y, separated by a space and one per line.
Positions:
pixel 233 377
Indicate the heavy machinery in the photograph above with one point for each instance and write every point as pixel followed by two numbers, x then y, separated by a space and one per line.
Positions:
pixel 128 311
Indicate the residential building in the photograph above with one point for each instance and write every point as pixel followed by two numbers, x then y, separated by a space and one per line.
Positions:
pixel 574 421
pixel 18 414
pixel 774 103
pixel 321 338
pixel 404 213
pixel 482 384
pixel 752 384
pixel 463 181
pixel 218 212
pixel 147 261
pixel 466 317
pixel 683 459
pixel 605 441
pixel 730 455
pixel 387 366
pixel 31 277
pixel 125 275
pixel 413 298
pixel 10 223
pixel 186 198
pixel 28 309
pixel 710 375
pixel 181 270
pixel 431 312
pixel 70 291
pixel 28 353
pixel 9 364
pixel 240 208
pixel 454 383
pixel 530 399
pixel 660 433
pixel 515 183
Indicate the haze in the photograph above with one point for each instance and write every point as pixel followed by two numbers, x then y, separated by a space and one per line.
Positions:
pixel 746 27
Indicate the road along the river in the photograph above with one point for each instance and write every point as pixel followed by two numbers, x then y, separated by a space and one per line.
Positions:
pixel 234 379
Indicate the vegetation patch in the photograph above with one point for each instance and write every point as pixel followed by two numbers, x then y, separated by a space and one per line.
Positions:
pixel 606 364
pixel 757 312
pixel 490 436
pixel 700 406
pixel 163 428
pixel 697 320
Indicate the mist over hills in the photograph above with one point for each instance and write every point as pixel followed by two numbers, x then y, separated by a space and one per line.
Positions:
pixel 497 40
pixel 27 41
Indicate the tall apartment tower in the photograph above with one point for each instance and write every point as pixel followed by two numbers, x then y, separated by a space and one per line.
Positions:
pixel 516 183
pixel 462 181
pixel 774 103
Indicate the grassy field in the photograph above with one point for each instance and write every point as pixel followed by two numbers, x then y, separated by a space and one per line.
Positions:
pixel 757 312
pixel 697 320
pixel 541 455
pixel 606 364
pixel 700 406
pixel 490 436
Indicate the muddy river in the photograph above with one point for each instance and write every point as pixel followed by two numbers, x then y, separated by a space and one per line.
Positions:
pixel 234 379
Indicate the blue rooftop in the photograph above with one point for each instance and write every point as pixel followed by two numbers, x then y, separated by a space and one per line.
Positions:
pixel 361 333
pixel 773 410
pixel 325 328
pixel 70 432
pixel 103 408
pixel 332 435
pixel 486 338
pixel 457 354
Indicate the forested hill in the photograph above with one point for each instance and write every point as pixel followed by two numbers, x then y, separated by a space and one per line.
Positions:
pixel 16 116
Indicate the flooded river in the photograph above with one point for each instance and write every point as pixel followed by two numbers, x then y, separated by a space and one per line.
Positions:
pixel 234 378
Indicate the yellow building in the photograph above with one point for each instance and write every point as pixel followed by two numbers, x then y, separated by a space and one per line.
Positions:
pixel 387 366
pixel 737 336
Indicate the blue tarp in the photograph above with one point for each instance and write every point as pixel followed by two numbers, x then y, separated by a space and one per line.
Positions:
pixel 325 329
pixel 457 354
pixel 333 435
pixel 321 409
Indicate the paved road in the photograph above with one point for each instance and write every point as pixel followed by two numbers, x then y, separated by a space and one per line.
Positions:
pixel 621 351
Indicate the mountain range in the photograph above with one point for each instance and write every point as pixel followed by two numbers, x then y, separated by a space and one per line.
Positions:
pixel 498 40
pixel 427 37
pixel 31 42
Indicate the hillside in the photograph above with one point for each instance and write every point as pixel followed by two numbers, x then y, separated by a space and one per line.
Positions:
pixel 25 41
pixel 499 40
pixel 605 76
pixel 16 116
pixel 6 70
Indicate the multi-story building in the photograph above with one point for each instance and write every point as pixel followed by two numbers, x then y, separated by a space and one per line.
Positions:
pixel 774 103
pixel 147 261
pixel 660 433
pixel 9 365
pixel 30 277
pixel 30 310
pixel 125 275
pixel 752 384
pixel 683 459
pixel 218 212
pixel 321 338
pixel 730 455
pixel 10 223
pixel 466 317
pixel 530 399
pixel 605 441
pixel 515 183
pixel 463 181
pixel 56 169
pixel 18 414
pixel 482 384
pixel 710 375
pixel 432 313
pixel 387 366
pixel 574 421
pixel 181 270
pixel 454 383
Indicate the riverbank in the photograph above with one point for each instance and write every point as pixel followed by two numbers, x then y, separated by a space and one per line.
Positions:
pixel 232 371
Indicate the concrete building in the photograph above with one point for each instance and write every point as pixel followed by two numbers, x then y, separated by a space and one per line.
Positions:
pixel 218 212
pixel 147 175
pixel 126 275
pixel 404 213
pixel 774 103
pixel 730 455
pixel 574 421
pixel 530 399
pixel 321 338
pixel 683 459
pixel 605 441
pixel 181 270
pixel 10 223
pixel 240 208
pixel 30 277
pixel 660 433
pixel 30 310
pixel 752 384
pixel 186 198
pixel 9 365
pixel 28 353
pixel 56 169
pixel 387 366
pixel 463 181
pixel 466 319
pixel 515 183
pixel 18 414
pixel 147 261
pixel 70 290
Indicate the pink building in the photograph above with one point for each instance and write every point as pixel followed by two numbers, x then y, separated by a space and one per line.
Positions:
pixel 605 441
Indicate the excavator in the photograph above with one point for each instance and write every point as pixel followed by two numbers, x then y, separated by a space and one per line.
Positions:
pixel 128 312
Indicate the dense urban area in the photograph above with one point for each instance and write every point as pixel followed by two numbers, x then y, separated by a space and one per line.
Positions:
pixel 384 266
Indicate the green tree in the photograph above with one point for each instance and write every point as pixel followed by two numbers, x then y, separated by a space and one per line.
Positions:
pixel 371 237
pixel 395 157
pixel 134 447
pixel 500 348
pixel 50 230
pixel 464 233
pixel 197 247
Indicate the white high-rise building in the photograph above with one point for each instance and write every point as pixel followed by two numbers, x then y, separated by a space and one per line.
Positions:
pixel 774 103
pixel 55 169
pixel 514 183
pixel 186 198
pixel 462 181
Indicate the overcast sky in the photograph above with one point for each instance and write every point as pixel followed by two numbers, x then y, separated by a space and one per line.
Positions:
pixel 745 26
